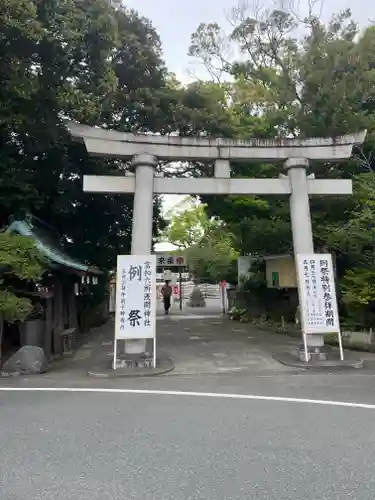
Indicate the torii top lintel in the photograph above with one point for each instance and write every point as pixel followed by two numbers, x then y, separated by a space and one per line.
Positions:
pixel 111 143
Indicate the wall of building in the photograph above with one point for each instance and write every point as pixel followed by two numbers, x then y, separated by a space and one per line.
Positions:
pixel 281 272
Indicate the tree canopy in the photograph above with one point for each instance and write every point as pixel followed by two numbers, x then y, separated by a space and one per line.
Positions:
pixel 96 62
pixel 86 60
pixel 20 259
pixel 208 246
pixel 292 75
pixel 275 74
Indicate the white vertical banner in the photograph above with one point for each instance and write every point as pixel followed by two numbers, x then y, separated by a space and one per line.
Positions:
pixel 318 301
pixel 135 297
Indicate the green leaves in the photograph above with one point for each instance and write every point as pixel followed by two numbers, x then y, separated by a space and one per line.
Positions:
pixel 188 227
pixel 288 67
pixel 214 257
pixel 208 244
pixel 289 75
pixel 358 287
pixel 13 308
pixel 93 61
pixel 19 258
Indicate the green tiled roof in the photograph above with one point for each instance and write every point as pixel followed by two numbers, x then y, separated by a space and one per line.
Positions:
pixel 49 249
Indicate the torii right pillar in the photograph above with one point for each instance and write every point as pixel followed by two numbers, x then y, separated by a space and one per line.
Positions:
pixel 300 216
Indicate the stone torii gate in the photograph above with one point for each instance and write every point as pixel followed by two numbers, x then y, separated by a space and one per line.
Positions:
pixel 146 150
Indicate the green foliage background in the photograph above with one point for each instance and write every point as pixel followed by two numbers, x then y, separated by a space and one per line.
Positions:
pixel 100 63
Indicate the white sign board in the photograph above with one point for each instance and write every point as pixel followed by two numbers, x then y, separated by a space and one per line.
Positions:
pixel 318 302
pixel 135 297
pixel 170 260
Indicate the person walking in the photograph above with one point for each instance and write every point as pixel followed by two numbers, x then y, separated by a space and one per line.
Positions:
pixel 167 294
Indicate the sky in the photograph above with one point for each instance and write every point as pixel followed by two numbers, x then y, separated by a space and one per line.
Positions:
pixel 176 20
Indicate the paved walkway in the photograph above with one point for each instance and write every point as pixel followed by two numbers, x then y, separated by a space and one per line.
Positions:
pixel 210 344
pixel 201 344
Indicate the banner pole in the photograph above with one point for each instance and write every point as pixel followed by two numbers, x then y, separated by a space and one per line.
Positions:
pixel 340 346
pixel 154 353
pixel 114 353
pixel 305 346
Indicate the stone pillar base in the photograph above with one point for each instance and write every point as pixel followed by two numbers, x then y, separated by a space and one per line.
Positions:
pixel 314 353
pixel 315 348
pixel 131 362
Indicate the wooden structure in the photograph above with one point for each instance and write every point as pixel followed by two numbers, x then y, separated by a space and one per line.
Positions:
pixel 280 271
pixel 63 282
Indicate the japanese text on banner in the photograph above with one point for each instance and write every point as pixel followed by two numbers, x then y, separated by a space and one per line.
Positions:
pixel 136 295
pixel 317 293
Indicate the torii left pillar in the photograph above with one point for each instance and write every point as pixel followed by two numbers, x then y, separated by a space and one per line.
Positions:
pixel 144 166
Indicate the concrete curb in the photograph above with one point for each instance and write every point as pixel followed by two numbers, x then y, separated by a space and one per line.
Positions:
pixel 288 359
pixel 163 365
pixel 294 333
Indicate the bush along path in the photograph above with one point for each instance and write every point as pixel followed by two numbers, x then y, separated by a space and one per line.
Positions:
pixel 352 340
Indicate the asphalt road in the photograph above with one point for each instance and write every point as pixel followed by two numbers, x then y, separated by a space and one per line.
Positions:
pixel 99 446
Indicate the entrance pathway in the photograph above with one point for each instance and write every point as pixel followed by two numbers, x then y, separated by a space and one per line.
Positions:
pixel 203 344
pixel 216 345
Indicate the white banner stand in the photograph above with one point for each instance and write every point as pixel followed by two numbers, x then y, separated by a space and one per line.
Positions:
pixel 135 300
pixel 317 297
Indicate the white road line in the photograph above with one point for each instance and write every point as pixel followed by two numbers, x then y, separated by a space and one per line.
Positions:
pixel 190 394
